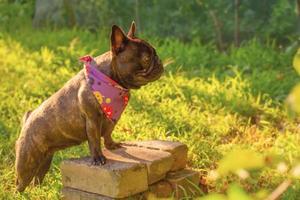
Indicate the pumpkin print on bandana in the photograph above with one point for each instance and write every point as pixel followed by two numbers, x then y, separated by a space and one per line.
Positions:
pixel 112 97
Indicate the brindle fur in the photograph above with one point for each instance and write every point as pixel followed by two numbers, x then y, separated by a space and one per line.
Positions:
pixel 72 115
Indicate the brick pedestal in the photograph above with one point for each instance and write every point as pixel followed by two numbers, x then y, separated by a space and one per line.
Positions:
pixel 138 170
pixel 114 179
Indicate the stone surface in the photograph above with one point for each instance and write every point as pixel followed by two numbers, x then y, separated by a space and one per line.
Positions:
pixel 161 189
pixel 74 194
pixel 114 179
pixel 177 185
pixel 177 149
pixel 158 162
pixel 138 170
pixel 184 182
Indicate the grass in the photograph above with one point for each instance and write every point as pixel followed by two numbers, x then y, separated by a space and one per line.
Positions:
pixel 212 101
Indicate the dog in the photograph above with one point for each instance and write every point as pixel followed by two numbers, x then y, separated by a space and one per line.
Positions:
pixel 73 114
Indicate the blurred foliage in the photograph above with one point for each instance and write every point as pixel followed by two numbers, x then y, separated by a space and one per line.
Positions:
pixel 293 100
pixel 186 20
pixel 240 159
pixel 234 192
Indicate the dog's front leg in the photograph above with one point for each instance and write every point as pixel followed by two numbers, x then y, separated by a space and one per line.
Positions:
pixel 89 108
pixel 107 130
pixel 93 128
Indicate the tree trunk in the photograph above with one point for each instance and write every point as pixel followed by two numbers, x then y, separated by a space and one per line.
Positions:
pixel 218 30
pixel 137 15
pixel 298 15
pixel 70 14
pixel 237 23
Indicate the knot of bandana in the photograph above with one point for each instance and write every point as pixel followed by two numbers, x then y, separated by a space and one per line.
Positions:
pixel 112 97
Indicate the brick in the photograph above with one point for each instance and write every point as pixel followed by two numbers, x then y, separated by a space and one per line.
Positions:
pixel 114 179
pixel 74 194
pixel 184 182
pixel 161 189
pixel 158 162
pixel 177 149
pixel 176 185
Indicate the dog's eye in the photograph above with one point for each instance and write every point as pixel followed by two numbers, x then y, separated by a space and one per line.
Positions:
pixel 146 59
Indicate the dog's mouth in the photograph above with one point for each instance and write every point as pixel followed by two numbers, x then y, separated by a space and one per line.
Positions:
pixel 153 72
pixel 143 77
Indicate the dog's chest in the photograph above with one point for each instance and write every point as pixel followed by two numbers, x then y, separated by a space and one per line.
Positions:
pixel 112 98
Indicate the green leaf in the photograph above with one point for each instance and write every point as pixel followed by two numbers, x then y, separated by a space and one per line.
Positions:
pixel 293 100
pixel 240 159
pixel 214 197
pixel 235 192
pixel 296 61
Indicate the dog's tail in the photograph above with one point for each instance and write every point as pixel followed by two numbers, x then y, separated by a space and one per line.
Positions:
pixel 25 117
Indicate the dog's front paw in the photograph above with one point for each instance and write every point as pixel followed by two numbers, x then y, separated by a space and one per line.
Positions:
pixel 113 145
pixel 99 160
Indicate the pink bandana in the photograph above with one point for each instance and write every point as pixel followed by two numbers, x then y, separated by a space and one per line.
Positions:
pixel 112 97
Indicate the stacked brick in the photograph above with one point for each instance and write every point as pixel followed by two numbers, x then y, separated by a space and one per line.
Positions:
pixel 139 170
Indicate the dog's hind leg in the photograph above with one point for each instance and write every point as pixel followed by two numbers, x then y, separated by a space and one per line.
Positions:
pixel 25 173
pixel 27 162
pixel 42 170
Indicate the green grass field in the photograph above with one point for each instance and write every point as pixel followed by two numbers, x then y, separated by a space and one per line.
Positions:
pixel 214 102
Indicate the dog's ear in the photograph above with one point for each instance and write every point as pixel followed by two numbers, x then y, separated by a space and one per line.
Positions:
pixel 118 39
pixel 131 32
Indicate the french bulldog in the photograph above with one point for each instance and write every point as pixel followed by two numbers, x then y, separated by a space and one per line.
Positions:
pixel 72 115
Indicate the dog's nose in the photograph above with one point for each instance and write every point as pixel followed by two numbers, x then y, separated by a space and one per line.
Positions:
pixel 157 60
pixel 161 65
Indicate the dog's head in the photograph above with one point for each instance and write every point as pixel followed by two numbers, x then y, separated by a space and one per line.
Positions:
pixel 134 61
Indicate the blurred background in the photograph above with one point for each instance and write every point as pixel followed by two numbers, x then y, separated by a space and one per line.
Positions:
pixel 230 90
pixel 221 22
